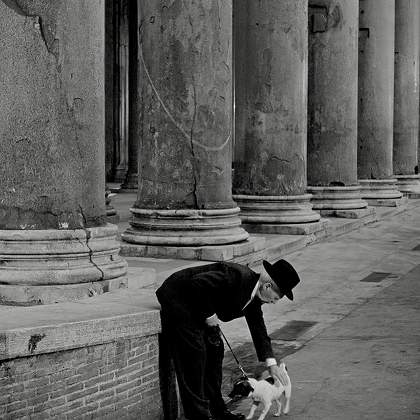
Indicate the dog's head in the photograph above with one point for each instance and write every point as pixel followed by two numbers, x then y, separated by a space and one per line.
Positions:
pixel 241 388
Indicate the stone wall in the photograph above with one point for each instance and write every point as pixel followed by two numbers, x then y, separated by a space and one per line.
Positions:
pixel 101 362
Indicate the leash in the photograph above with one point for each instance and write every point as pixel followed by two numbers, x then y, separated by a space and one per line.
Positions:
pixel 233 354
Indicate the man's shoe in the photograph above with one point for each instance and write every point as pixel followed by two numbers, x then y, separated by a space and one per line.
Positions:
pixel 227 415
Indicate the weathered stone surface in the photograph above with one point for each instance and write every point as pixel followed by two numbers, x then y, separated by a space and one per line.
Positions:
pixel 70 325
pixel 376 89
pixel 208 253
pixel 184 126
pixel 185 227
pixel 406 107
pixel 287 229
pixel 276 209
pixel 380 192
pixel 408 184
pixel 332 97
pixel 336 198
pixel 59 261
pixel 271 63
pixel 52 107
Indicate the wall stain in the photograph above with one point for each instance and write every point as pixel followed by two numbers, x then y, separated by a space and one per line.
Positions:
pixel 33 342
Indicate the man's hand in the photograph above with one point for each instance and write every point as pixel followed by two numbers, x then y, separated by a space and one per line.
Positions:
pixel 276 372
pixel 212 321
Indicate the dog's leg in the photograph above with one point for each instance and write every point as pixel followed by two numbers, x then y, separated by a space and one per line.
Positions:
pixel 287 395
pixel 252 411
pixel 267 405
pixel 278 412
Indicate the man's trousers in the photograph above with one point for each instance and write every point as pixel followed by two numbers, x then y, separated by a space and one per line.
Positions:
pixel 197 352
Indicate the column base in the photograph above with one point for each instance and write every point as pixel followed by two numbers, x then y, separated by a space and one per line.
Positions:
pixel 248 250
pixel 409 185
pixel 111 214
pixel 381 192
pixel 343 201
pixel 275 210
pixel 185 227
pixel 48 266
pixel 367 213
pixel 130 184
pixel 287 229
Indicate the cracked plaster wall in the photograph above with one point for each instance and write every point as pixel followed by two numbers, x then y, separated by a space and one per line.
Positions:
pixel 185 110
pixel 271 64
pixel 52 124
pixel 332 94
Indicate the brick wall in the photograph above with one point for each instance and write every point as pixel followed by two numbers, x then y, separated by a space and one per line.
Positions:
pixel 117 380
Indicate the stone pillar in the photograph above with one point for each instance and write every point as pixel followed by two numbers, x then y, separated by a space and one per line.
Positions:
pixel 271 67
pixel 332 106
pixel 110 94
pixel 54 242
pixel 122 90
pixel 185 126
pixel 406 108
pixel 376 105
pixel 131 180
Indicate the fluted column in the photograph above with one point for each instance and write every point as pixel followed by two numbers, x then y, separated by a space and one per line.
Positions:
pixel 184 126
pixel 121 89
pixel 332 105
pixel 271 66
pixel 131 180
pixel 406 108
pixel 376 104
pixel 54 241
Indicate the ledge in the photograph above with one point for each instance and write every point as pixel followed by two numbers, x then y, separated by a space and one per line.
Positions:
pixel 28 331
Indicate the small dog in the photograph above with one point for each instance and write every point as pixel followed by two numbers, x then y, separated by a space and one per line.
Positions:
pixel 265 391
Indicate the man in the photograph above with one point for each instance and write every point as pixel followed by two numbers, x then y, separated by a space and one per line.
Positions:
pixel 192 302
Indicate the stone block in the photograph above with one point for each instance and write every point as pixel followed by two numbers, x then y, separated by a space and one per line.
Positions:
pixel 205 253
pixel 369 213
pixel 386 202
pixel 287 229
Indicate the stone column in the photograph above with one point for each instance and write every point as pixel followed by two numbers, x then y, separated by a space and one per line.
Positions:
pixel 332 106
pixel 406 108
pixel 271 67
pixel 54 242
pixel 122 90
pixel 131 180
pixel 376 105
pixel 184 126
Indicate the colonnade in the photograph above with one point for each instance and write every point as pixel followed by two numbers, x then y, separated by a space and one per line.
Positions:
pixel 243 116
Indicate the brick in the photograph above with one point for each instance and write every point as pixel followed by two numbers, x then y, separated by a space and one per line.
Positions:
pixel 112 384
pixel 99 396
pixel 99 379
pixel 150 362
pixel 37 400
pixel 74 388
pixel 14 406
pixel 37 383
pixel 108 401
pixel 73 380
pixel 59 376
pixel 82 393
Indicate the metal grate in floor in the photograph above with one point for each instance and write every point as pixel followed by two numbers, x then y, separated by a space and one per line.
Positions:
pixel 292 330
pixel 375 277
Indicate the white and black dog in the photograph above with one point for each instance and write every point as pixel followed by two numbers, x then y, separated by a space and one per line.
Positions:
pixel 265 391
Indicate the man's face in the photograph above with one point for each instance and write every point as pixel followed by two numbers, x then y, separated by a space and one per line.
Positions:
pixel 269 292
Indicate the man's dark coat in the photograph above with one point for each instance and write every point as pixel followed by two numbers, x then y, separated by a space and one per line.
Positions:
pixel 222 288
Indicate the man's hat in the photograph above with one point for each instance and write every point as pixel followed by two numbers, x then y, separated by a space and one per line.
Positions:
pixel 284 275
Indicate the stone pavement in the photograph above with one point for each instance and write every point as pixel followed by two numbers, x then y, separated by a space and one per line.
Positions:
pixel 351 337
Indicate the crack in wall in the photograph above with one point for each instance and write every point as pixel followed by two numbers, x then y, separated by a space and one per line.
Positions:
pixel 88 237
pixel 43 11
pixel 194 159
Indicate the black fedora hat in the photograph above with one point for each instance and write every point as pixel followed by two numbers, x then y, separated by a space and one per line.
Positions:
pixel 284 275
